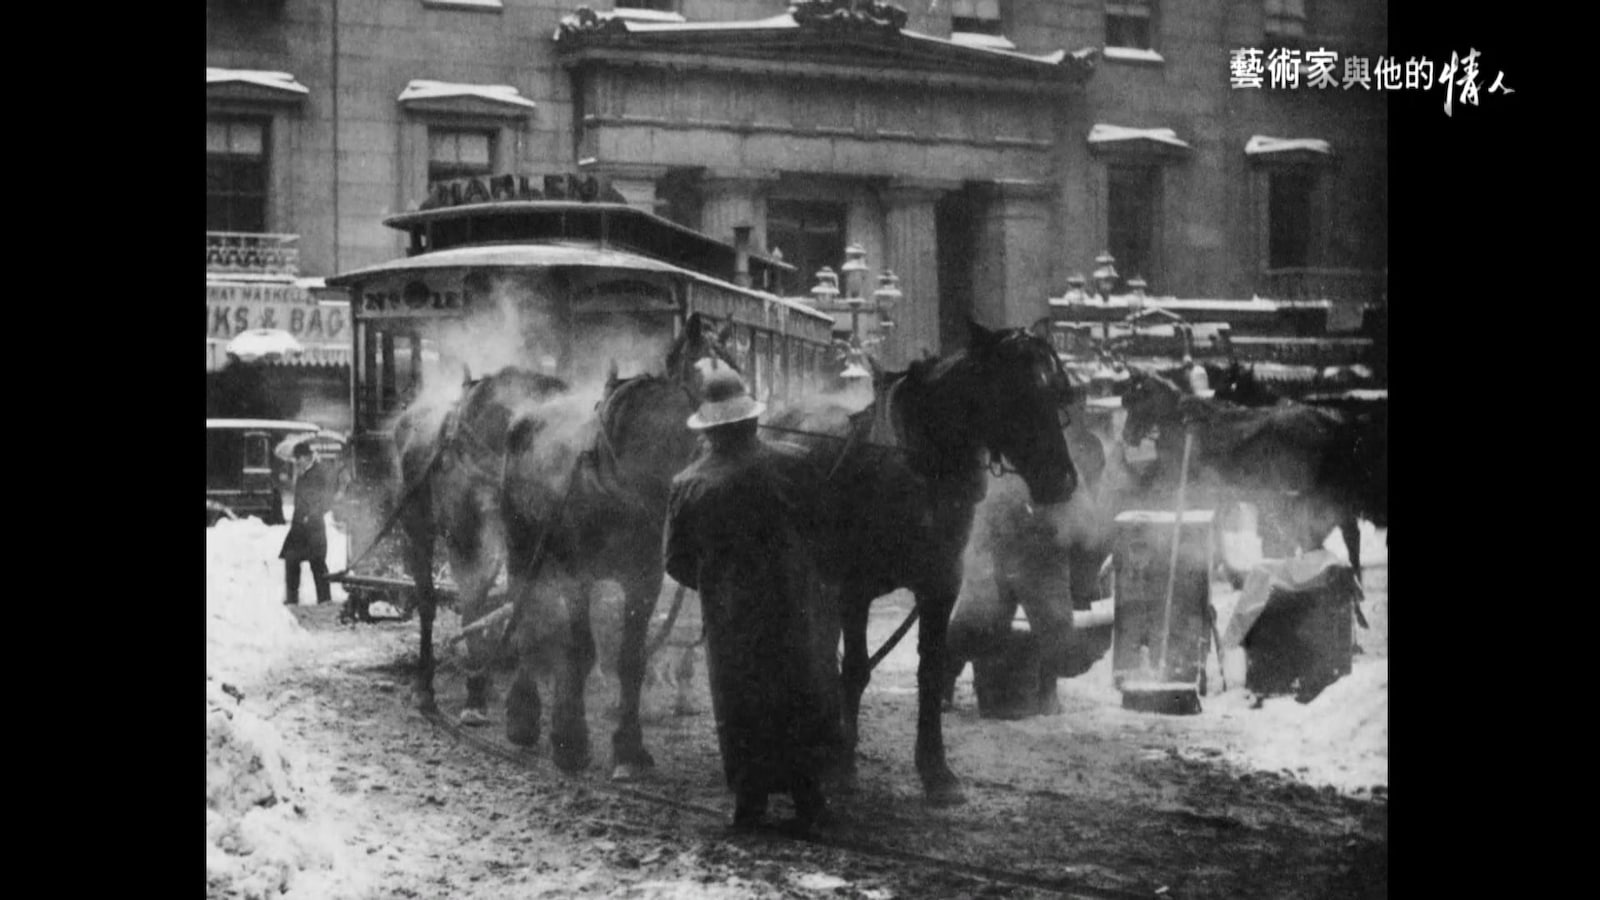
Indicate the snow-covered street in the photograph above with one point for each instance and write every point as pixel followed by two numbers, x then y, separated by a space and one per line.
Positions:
pixel 323 782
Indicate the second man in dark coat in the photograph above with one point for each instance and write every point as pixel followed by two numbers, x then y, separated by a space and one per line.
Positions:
pixel 771 629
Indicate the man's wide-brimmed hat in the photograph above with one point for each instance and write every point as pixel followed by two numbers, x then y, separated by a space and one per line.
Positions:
pixel 726 401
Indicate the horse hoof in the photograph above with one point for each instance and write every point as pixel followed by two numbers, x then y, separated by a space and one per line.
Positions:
pixel 522 737
pixel 570 762
pixel 474 717
pixel 943 791
pixel 629 772
pixel 570 756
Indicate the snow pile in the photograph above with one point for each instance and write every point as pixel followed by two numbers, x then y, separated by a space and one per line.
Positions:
pixel 1339 739
pixel 247 625
pixel 261 840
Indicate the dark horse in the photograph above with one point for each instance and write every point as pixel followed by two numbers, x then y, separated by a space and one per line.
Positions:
pixel 1301 464
pixel 503 473
pixel 894 488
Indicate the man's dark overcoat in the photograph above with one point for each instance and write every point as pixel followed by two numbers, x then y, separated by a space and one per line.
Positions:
pixel 771 619
pixel 313 497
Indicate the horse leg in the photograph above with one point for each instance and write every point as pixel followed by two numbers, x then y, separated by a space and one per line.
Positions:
pixel 419 564
pixel 939 783
pixel 569 723
pixel 523 708
pixel 629 758
pixel 854 672
pixel 475 547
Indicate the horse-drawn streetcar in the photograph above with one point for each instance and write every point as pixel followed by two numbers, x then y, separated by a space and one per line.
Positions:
pixel 564 279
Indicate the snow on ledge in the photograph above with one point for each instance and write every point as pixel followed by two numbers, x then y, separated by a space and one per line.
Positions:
pixel 437 90
pixel 976 39
pixel 1261 144
pixel 1133 54
pixel 639 26
pixel 1107 134
pixel 480 5
pixel 643 15
pixel 278 81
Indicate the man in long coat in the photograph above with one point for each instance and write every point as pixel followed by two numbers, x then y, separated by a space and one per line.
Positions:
pixel 771 628
pixel 314 490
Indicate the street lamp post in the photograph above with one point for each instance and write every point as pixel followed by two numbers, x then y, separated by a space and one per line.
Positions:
pixel 828 297
pixel 855 271
pixel 1105 275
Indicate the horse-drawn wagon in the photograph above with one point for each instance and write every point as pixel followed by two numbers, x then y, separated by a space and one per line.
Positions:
pixel 561 277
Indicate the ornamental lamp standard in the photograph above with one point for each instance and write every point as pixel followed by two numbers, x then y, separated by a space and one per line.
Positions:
pixel 1105 275
pixel 885 298
pixel 855 271
pixel 826 290
pixel 1137 286
pixel 1075 285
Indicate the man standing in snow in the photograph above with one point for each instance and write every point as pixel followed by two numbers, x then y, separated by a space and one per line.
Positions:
pixel 308 536
pixel 731 534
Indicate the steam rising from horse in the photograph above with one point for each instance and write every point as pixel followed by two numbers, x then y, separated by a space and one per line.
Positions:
pixel 565 520
pixel 1301 464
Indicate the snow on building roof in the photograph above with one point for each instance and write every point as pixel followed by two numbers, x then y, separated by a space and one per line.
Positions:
pixel 638 27
pixel 277 81
pixel 1102 133
pixel 645 15
pixel 1133 54
pixel 1261 144
pixel 632 24
pixel 976 39
pixel 422 89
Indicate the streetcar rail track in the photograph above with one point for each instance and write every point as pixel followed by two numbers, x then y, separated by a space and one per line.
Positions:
pixel 1065 886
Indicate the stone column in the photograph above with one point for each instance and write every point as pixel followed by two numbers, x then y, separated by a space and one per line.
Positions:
pixel 730 198
pixel 635 182
pixel 1011 275
pixel 912 251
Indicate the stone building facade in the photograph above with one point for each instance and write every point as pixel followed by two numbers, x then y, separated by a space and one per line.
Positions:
pixel 985 150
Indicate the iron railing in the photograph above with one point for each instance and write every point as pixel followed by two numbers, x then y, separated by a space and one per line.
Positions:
pixel 235 252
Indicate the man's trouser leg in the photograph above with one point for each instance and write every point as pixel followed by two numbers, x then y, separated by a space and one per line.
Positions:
pixel 291 582
pixel 319 574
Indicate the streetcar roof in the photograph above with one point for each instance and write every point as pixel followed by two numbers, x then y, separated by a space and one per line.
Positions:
pixel 553 254
pixel 620 223
pixel 261 425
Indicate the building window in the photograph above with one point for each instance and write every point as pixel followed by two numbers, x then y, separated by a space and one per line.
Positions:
pixel 1286 18
pixel 1132 196
pixel 1289 219
pixel 236 175
pixel 655 5
pixel 1128 25
pixel 459 154
pixel 810 236
pixel 976 16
